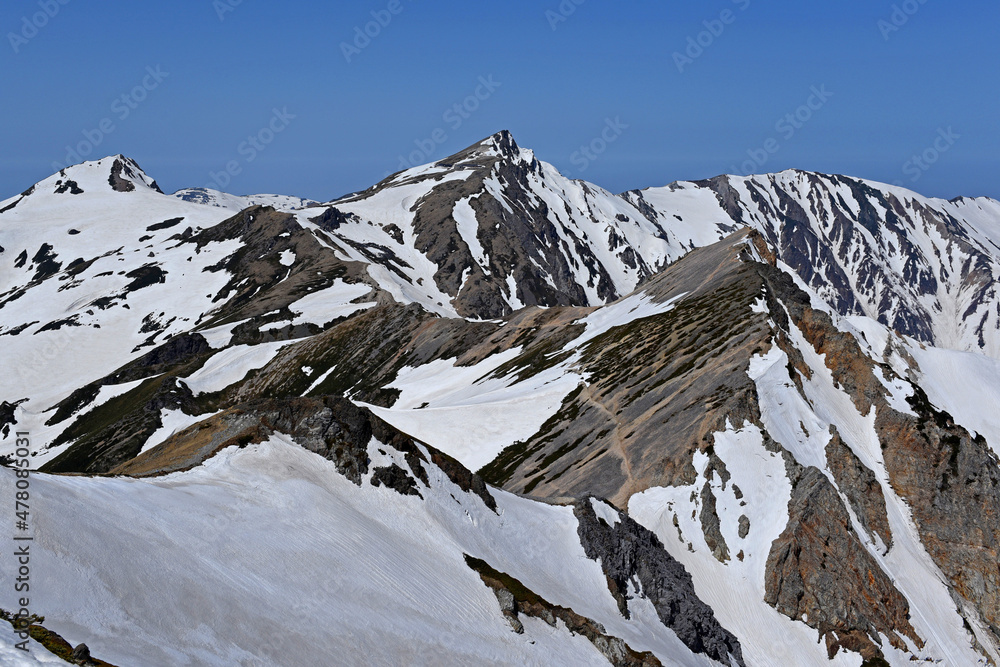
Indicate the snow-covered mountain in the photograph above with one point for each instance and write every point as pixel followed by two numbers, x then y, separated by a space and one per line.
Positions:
pixel 925 267
pixel 495 229
pixel 210 197
pixel 482 413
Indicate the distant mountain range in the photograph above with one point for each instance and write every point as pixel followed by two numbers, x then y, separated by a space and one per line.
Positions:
pixel 481 413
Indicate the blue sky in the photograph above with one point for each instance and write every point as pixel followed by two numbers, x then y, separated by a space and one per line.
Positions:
pixel 693 89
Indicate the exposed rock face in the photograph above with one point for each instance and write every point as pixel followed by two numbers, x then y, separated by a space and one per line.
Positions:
pixel 395 478
pixel 332 427
pixel 629 553
pixel 81 655
pixel 515 598
pixel 861 487
pixel 744 526
pixel 7 418
pixel 376 340
pixel 116 181
pixel 819 572
pixel 69 186
pixel 710 525
pixel 513 234
pixel 951 481
pixel 125 173
pixel 45 263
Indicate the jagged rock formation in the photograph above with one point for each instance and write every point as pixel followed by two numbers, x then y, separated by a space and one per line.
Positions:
pixel 631 554
pixel 862 489
pixel 820 572
pixel 515 598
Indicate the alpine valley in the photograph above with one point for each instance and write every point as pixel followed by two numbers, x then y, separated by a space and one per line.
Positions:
pixel 484 414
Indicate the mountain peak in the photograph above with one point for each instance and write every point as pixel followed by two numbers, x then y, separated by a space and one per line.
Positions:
pixel 503 143
pixel 117 172
pixel 500 146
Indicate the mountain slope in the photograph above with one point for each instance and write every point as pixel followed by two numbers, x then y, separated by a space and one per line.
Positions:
pixel 235 203
pixel 348 513
pixel 503 230
pixel 925 267
pixel 757 371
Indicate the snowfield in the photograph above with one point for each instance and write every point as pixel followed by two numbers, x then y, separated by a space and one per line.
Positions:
pixel 268 556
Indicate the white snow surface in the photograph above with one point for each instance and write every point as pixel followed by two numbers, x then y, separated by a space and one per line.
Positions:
pixel 11 656
pixel 605 512
pixel 468 229
pixel 204 568
pixel 236 203
pixel 229 366
pixel 329 304
pixel 174 421
pixel 964 384
pixel 470 415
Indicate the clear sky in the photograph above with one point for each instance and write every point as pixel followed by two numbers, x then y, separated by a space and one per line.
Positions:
pixel 679 91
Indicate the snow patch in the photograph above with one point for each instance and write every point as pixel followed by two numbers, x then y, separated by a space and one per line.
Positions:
pixel 605 512
pixel 231 365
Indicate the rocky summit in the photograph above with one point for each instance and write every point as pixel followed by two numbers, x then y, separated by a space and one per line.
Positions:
pixel 481 413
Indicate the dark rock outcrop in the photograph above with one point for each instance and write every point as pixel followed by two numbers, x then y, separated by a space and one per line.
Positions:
pixel 70 186
pixel 7 418
pixel 45 263
pixel 117 182
pixel 710 525
pixel 394 477
pixel 627 553
pixel 166 224
pixel 81 655
pixel 515 598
